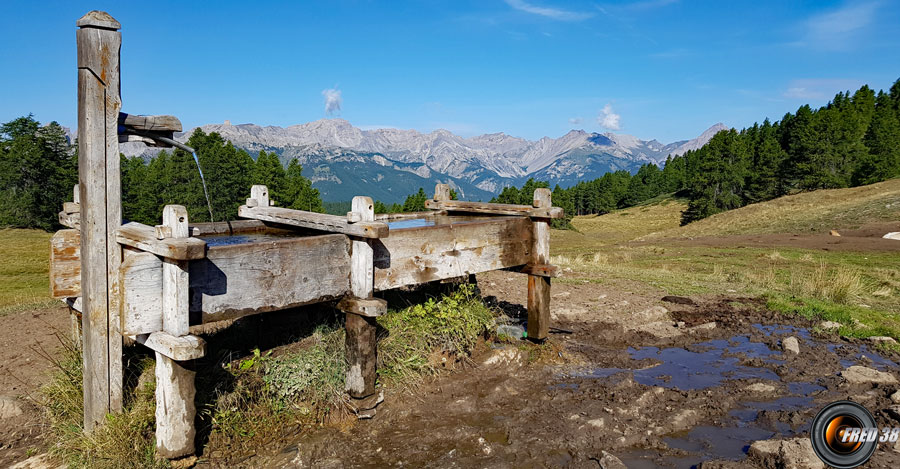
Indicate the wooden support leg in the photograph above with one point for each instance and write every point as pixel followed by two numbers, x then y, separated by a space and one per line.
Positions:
pixel 539 287
pixel 361 356
pixel 175 410
pixel 360 330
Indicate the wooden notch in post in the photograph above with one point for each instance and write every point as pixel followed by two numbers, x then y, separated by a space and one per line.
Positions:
pixel 175 409
pixel 539 285
pixel 360 329
pixel 99 102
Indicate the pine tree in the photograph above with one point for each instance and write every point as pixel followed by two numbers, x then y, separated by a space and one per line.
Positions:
pixel 883 144
pixel 298 191
pixel 415 202
pixel 268 171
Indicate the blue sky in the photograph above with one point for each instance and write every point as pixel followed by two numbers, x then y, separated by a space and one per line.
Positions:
pixel 663 69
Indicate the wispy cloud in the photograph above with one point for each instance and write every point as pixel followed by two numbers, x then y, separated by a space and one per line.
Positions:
pixel 548 12
pixel 575 120
pixel 838 29
pixel 819 88
pixel 608 119
pixel 333 100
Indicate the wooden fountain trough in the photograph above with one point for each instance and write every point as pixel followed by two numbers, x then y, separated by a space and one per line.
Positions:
pixel 155 284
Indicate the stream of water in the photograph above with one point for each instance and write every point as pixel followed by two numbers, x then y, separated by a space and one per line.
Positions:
pixel 203 181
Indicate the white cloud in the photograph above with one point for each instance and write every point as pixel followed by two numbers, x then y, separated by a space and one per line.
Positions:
pixel 333 100
pixel 608 119
pixel 575 120
pixel 819 88
pixel 548 12
pixel 837 29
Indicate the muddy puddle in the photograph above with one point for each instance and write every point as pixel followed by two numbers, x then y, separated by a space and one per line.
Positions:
pixel 754 361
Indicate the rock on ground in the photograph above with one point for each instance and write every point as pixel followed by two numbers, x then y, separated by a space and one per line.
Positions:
pixel 862 375
pixel 878 339
pixel 829 325
pixel 791 345
pixel 608 461
pixel 796 453
pixel 9 407
pixel 725 464
pixel 505 356
pixel 761 388
pixel 41 461
pixel 895 398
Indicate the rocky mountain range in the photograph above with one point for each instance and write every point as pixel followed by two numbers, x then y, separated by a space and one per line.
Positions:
pixel 387 164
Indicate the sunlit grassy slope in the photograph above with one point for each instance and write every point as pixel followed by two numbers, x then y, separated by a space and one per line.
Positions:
pixel 24 269
pixel 807 212
pixel 857 289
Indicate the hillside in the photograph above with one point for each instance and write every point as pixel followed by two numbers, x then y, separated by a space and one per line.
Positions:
pixel 404 160
pixel 807 212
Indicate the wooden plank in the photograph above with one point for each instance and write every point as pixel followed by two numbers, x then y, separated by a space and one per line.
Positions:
pixel 71 207
pixel 539 286
pixel 408 215
pixel 369 307
pixel 70 220
pixel 420 255
pixel 227 227
pixel 315 221
pixel 494 209
pixel 98 44
pixel 241 279
pixel 188 347
pixel 65 264
pixel 141 280
pixel 165 124
pixel 541 270
pixel 143 237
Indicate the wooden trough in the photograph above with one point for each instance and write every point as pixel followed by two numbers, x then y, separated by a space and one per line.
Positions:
pixel 153 283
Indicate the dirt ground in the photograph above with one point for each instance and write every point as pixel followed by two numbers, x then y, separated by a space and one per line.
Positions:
pixel 652 382
pixel 24 367
pixel 656 384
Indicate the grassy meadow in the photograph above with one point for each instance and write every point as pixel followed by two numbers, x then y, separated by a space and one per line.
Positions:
pixel 24 271
pixel 858 289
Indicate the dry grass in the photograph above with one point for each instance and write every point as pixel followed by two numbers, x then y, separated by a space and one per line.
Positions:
pixel 807 212
pixel 24 272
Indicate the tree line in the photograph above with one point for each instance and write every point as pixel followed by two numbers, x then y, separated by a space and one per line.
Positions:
pixel 851 141
pixel 173 178
pixel 39 167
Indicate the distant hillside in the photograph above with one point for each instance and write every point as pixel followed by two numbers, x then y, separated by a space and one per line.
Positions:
pixel 337 156
pixel 808 212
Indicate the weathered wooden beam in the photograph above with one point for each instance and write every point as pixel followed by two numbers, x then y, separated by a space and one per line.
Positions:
pixel 538 285
pixel 360 330
pixel 315 221
pixel 227 227
pixel 368 307
pixel 144 237
pixel 182 348
pixel 495 209
pixel 175 391
pixel 408 215
pixel 150 123
pixel 99 102
pixel 421 255
pixel 442 192
pixel 70 220
pixel 542 270
pixel 65 264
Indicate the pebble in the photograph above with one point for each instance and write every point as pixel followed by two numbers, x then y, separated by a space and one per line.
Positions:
pixel 828 325
pixel 9 407
pixel 862 375
pixel 760 388
pixel 895 398
pixel 791 345
pixel 608 461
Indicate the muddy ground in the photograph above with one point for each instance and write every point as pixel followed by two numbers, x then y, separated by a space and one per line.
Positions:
pixel 654 383
pixel 651 382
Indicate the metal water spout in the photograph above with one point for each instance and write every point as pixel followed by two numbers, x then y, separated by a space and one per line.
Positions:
pixel 158 131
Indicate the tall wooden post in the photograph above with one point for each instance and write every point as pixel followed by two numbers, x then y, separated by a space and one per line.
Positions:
pixel 539 286
pixel 175 391
pixel 360 329
pixel 99 41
